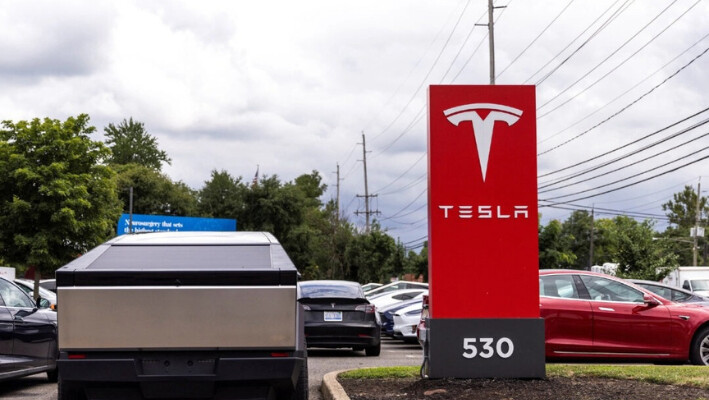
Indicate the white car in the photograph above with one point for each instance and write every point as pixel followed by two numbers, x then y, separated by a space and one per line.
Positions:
pixel 396 296
pixel 398 285
pixel 49 298
pixel 406 322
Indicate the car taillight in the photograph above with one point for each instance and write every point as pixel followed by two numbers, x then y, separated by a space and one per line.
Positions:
pixel 75 356
pixel 424 301
pixel 367 308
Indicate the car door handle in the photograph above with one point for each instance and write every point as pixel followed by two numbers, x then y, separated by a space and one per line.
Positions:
pixel 606 309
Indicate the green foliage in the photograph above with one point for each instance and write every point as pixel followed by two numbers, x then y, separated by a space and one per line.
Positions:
pixel 154 192
pixel 222 196
pixel 577 231
pixel 57 199
pixel 130 143
pixel 639 256
pixel 555 247
pixel 371 257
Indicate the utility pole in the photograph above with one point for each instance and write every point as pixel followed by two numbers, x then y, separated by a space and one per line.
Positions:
pixel 491 37
pixel 366 195
pixel 590 252
pixel 696 222
pixel 337 201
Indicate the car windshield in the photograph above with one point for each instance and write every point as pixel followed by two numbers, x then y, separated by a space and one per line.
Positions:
pixel 700 284
pixel 321 290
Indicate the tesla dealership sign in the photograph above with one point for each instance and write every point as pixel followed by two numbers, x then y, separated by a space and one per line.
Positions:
pixel 483 250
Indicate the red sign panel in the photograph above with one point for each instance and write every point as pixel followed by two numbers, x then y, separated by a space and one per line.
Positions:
pixel 482 163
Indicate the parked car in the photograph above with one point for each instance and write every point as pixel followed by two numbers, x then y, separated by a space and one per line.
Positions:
pixel 386 314
pixel 28 335
pixel 397 296
pixel 406 321
pixel 594 316
pixel 49 284
pixel 398 285
pixel 48 298
pixel 671 293
pixel 338 315
pixel 421 329
pixel 370 286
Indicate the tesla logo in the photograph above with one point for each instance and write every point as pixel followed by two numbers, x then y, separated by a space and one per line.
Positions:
pixel 482 127
pixel 332 304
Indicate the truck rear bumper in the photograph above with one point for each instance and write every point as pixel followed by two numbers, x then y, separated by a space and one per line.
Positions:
pixel 171 376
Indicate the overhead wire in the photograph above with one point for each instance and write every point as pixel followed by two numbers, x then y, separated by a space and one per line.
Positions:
pixel 571 42
pixel 535 39
pixel 608 57
pixel 634 183
pixel 598 109
pixel 619 65
pixel 625 145
pixel 605 24
pixel 625 157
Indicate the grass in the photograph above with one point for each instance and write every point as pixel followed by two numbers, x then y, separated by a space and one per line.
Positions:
pixel 662 374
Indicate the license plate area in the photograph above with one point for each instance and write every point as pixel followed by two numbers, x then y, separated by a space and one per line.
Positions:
pixel 332 316
pixel 178 365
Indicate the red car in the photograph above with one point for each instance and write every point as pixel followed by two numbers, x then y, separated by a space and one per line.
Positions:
pixel 594 316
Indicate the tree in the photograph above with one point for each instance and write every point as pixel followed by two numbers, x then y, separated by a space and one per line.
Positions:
pixel 154 192
pixel 222 196
pixel 682 213
pixel 638 255
pixel 682 210
pixel 371 257
pixel 555 247
pixel 577 230
pixel 131 144
pixel 57 198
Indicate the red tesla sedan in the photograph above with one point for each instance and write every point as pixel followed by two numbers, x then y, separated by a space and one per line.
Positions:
pixel 588 315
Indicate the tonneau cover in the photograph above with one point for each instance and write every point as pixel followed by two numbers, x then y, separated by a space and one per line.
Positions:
pixel 183 259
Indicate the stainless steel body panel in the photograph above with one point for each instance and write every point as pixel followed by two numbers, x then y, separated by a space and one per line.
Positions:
pixel 187 317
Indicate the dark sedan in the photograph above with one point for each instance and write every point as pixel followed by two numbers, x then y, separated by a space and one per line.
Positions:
pixel 671 293
pixel 338 315
pixel 28 335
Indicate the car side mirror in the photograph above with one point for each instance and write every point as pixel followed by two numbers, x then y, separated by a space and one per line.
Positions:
pixel 650 301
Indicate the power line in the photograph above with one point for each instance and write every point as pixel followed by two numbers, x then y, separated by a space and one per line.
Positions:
pixel 405 172
pixel 571 42
pixel 596 110
pixel 605 24
pixel 535 39
pixel 637 182
pixel 625 157
pixel 629 177
pixel 614 52
pixel 624 146
pixel 617 66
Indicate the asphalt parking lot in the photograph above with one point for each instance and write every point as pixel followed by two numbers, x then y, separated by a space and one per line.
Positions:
pixel 320 362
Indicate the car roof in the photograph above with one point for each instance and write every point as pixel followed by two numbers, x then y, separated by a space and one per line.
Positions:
pixel 329 282
pixel 194 238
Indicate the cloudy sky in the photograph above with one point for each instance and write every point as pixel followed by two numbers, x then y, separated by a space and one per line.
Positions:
pixel 291 87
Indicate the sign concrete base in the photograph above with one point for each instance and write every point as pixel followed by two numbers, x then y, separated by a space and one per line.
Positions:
pixel 486 348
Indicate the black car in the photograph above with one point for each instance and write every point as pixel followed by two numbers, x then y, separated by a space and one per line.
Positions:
pixel 338 315
pixel 672 293
pixel 28 335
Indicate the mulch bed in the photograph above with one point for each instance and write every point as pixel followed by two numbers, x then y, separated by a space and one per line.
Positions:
pixel 517 389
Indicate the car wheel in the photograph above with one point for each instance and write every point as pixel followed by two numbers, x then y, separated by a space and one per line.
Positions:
pixel 373 350
pixel 53 375
pixel 301 389
pixel 699 352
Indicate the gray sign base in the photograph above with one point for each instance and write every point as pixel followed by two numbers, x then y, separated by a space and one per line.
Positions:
pixel 486 348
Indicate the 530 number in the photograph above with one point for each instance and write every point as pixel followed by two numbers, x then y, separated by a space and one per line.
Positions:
pixel 503 347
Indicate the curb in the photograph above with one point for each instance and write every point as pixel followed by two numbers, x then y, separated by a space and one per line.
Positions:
pixel 331 388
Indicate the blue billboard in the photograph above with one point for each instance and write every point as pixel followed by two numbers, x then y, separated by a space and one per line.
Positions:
pixel 164 223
